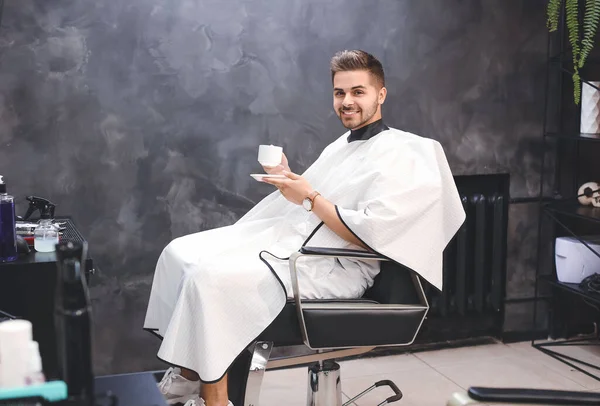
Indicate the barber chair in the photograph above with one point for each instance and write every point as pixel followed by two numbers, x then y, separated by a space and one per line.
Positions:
pixel 389 314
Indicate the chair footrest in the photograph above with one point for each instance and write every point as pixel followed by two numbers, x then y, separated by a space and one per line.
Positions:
pixel 534 396
pixel 386 382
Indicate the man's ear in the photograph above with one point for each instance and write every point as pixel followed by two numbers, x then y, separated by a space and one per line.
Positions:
pixel 382 95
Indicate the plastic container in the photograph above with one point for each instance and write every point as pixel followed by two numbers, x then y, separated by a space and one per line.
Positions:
pixel 575 261
pixel 45 237
pixel 53 391
pixel 36 373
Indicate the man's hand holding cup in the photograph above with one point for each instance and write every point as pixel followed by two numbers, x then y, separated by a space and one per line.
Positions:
pixel 272 159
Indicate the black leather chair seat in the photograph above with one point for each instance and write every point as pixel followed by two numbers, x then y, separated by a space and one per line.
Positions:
pixel 362 325
pixel 389 313
pixel 285 329
pixel 353 323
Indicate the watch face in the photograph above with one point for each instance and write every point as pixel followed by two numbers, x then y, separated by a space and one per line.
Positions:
pixel 306 204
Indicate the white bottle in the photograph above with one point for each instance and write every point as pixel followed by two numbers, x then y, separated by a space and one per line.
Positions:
pixel 15 336
pixel 36 374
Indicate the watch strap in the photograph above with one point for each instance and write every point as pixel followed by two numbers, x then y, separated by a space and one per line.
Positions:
pixel 312 197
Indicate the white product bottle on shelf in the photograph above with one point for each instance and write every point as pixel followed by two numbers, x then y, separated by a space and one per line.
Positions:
pixel 15 336
pixel 36 374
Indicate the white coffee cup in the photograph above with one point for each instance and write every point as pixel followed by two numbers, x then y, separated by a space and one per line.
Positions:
pixel 269 155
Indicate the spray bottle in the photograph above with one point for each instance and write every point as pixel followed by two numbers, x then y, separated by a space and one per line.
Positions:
pixel 8 236
pixel 73 322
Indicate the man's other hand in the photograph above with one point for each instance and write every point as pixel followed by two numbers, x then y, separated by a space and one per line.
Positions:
pixel 279 169
pixel 295 188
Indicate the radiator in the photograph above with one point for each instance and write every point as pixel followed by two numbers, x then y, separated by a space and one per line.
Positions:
pixel 475 260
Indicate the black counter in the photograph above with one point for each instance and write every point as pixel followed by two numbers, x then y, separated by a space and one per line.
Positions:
pixel 137 389
pixel 27 291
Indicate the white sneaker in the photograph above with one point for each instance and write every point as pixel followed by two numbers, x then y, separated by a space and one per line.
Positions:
pixel 178 389
pixel 195 401
pixel 198 401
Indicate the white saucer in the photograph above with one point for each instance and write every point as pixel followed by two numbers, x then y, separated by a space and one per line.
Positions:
pixel 260 176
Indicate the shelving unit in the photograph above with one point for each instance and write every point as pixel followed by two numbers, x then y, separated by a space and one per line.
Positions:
pixel 563 211
pixel 573 288
pixel 575 137
pixel 573 209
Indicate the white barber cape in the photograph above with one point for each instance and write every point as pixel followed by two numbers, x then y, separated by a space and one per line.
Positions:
pixel 212 293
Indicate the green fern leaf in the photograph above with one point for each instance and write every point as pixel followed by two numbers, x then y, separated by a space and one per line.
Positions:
pixel 576 87
pixel 590 26
pixel 573 27
pixel 553 13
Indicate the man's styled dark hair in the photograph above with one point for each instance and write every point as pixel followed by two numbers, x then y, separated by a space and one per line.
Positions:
pixel 344 61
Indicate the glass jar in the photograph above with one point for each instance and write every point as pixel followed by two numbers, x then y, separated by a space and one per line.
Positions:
pixel 45 237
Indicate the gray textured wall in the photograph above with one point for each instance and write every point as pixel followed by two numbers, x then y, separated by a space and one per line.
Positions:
pixel 141 118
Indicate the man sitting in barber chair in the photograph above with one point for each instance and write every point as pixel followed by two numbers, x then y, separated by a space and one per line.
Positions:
pixel 374 188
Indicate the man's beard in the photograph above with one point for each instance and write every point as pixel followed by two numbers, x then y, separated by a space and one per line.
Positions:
pixel 363 115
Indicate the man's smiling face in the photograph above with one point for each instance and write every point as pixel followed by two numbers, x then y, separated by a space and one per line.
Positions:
pixel 357 98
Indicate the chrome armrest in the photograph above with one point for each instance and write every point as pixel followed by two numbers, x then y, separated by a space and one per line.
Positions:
pixel 341 252
pixel 322 252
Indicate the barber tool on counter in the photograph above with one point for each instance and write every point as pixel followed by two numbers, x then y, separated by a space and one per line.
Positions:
pixel 8 237
pixel 44 234
pixel 73 322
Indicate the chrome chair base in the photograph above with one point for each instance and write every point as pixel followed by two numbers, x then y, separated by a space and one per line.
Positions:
pixel 258 365
pixel 324 385
pixel 324 380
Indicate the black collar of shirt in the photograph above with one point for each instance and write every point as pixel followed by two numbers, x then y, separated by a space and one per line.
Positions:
pixel 368 131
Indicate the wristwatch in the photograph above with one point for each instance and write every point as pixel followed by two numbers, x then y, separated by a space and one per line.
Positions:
pixel 309 202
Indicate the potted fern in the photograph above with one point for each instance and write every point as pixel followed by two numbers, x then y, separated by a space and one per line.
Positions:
pixel 580 38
